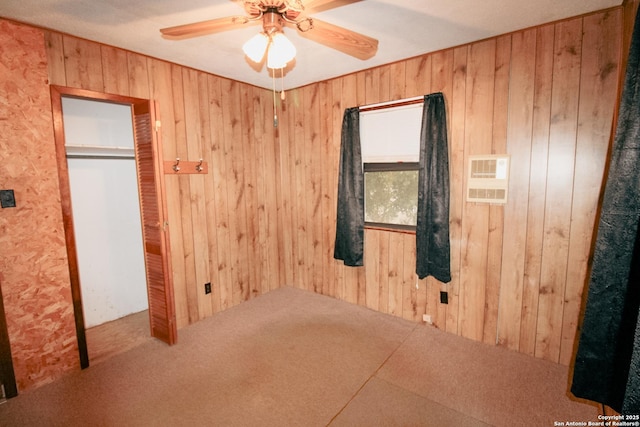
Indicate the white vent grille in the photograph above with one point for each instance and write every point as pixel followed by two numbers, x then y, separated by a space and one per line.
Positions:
pixel 488 179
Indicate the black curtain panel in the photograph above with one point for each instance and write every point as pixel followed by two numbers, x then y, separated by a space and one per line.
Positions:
pixel 432 229
pixel 349 245
pixel 607 363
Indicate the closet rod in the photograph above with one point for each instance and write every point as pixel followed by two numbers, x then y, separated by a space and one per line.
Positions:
pixel 98 152
pixel 97 156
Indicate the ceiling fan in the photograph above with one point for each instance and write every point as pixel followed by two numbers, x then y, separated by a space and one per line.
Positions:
pixel 274 15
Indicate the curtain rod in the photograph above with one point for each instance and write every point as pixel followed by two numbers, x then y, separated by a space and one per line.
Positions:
pixel 392 104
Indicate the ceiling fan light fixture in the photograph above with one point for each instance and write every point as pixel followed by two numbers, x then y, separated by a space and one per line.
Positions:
pixel 281 51
pixel 256 46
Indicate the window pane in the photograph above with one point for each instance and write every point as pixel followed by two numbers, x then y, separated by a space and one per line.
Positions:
pixel 391 197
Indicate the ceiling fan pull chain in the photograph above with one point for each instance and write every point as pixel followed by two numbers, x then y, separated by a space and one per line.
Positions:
pixel 282 95
pixel 275 110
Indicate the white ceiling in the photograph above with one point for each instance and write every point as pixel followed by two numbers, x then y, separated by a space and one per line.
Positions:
pixel 404 28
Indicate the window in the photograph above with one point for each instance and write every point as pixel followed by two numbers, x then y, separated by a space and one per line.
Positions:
pixel 391 194
pixel 390 140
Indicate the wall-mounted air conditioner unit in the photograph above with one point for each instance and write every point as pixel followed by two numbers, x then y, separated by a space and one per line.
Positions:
pixel 488 179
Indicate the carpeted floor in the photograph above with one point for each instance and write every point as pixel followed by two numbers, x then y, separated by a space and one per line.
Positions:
pixel 294 358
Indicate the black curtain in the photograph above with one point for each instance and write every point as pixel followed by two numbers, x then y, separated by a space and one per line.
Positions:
pixel 349 246
pixel 432 229
pixel 607 363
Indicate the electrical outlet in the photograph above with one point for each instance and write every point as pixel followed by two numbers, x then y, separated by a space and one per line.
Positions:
pixel 207 288
pixel 444 297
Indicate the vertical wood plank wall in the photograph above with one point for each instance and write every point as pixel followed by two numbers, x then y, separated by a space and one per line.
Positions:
pixel 546 97
pixel 264 215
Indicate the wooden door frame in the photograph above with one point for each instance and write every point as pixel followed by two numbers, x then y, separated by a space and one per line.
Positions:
pixel 57 93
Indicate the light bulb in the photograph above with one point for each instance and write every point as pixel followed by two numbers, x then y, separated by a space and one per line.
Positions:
pixel 281 51
pixel 255 47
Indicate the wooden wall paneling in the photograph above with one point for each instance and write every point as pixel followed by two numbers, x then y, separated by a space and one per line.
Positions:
pixel 319 270
pixel 183 199
pixel 328 188
pixel 421 298
pixel 275 245
pixel 308 189
pixel 294 108
pixel 409 309
pixel 266 180
pixel 219 230
pixel 496 212
pixel 277 201
pixel 417 76
pixel 234 144
pixel 193 121
pixel 274 167
pixel 252 207
pixel 598 84
pixel 288 182
pixel 312 148
pixel 372 267
pixel 519 135
pixel 245 230
pixel 115 70
pixel 299 203
pixel 138 75
pixel 384 92
pixel 286 186
pixel 209 195
pixel 337 111
pixel 372 86
pixel 275 210
pixel 264 189
pixel 83 65
pixel 544 55
pixel 54 48
pixel 395 274
pixel 261 187
pixel 383 272
pixel 397 80
pixel 475 220
pixel 562 145
pixel 456 118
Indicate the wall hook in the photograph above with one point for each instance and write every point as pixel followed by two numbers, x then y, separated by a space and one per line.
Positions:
pixel 176 168
pixel 199 167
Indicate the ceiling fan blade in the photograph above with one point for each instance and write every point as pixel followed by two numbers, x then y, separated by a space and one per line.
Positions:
pixel 203 28
pixel 346 41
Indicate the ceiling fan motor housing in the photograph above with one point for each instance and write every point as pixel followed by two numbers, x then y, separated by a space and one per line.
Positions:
pixel 272 21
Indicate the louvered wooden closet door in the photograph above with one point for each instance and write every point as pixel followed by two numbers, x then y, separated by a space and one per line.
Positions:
pixel 155 235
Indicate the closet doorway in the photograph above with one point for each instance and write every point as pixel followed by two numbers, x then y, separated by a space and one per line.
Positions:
pixel 114 215
pixel 107 225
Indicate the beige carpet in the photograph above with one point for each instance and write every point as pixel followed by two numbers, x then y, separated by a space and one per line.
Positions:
pixel 294 358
